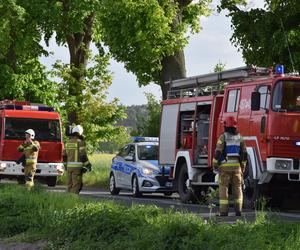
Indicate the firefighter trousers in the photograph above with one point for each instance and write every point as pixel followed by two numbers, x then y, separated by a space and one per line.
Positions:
pixel 29 172
pixel 230 175
pixel 74 184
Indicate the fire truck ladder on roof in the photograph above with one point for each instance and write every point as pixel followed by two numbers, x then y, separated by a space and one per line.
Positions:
pixel 212 83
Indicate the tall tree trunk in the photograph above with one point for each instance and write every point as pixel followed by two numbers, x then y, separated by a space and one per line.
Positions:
pixel 173 67
pixel 79 45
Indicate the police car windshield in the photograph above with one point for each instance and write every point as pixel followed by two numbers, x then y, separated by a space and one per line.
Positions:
pixel 147 152
pixel 45 130
pixel 287 96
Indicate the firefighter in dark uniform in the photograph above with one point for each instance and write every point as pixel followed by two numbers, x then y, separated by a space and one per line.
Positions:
pixel 230 160
pixel 30 149
pixel 76 160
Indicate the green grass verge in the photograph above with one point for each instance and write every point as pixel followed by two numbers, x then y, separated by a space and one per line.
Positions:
pixel 69 222
pixel 99 177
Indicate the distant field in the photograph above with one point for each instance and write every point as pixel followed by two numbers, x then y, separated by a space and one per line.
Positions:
pixel 99 177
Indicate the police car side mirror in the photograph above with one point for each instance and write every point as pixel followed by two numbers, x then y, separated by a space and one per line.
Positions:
pixel 129 158
pixel 255 101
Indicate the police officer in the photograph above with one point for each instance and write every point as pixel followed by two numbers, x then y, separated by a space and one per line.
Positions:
pixel 76 160
pixel 230 160
pixel 30 149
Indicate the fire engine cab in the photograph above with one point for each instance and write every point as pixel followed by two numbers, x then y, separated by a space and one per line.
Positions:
pixel 266 106
pixel 15 118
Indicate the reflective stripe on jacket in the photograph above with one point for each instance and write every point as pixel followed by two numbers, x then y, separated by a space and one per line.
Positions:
pixel 75 152
pixel 230 150
pixel 31 151
pixel 233 144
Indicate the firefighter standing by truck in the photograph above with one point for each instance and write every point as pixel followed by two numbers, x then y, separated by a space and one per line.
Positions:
pixel 76 160
pixel 30 149
pixel 230 160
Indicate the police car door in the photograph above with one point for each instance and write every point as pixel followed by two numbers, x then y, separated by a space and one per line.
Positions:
pixel 118 165
pixel 129 165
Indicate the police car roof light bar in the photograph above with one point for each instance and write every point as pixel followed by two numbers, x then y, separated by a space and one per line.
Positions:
pixel 144 139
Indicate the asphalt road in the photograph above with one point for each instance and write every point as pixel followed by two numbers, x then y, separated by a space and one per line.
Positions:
pixel 173 202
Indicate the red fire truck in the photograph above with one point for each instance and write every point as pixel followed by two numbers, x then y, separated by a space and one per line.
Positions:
pixel 267 108
pixel 15 118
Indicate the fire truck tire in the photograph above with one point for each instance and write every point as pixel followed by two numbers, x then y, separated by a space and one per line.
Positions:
pixel 199 194
pixel 135 187
pixel 185 193
pixel 51 181
pixel 252 191
pixel 112 185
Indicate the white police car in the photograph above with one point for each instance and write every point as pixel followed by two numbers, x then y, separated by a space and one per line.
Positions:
pixel 136 168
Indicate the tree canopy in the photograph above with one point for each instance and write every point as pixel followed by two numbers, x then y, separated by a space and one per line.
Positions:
pixel 82 91
pixel 148 36
pixel 269 36
pixel 22 76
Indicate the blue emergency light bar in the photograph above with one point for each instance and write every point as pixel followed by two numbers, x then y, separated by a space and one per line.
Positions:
pixel 27 107
pixel 144 139
pixel 279 69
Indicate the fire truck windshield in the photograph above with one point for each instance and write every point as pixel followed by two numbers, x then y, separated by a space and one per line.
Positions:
pixel 287 96
pixel 45 130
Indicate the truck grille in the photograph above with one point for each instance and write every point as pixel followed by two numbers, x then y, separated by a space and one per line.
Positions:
pixel 285 149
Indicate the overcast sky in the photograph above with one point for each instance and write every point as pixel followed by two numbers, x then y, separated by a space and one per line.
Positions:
pixel 204 51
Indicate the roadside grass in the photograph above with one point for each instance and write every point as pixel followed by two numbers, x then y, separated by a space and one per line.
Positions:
pixel 99 176
pixel 67 221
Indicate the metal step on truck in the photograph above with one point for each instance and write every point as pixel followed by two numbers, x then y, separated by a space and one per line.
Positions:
pixel 15 118
pixel 266 105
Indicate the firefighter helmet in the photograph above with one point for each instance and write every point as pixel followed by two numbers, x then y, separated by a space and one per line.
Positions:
pixel 30 132
pixel 77 129
pixel 230 121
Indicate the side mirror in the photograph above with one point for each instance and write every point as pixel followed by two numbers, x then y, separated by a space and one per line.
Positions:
pixel 68 130
pixel 129 158
pixel 255 101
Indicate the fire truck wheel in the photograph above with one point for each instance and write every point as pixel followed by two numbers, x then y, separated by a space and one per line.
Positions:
pixel 185 193
pixel 251 189
pixel 199 195
pixel 51 181
pixel 135 187
pixel 112 185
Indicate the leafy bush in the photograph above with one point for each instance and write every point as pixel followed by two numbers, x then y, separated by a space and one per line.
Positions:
pixel 70 222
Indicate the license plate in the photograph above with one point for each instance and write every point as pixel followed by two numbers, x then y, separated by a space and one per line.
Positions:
pixel 169 184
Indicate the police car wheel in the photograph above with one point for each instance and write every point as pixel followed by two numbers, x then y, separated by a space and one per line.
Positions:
pixel 135 187
pixel 112 185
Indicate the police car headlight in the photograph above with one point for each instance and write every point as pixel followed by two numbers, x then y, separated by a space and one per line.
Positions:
pixel 147 171
pixel 283 164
